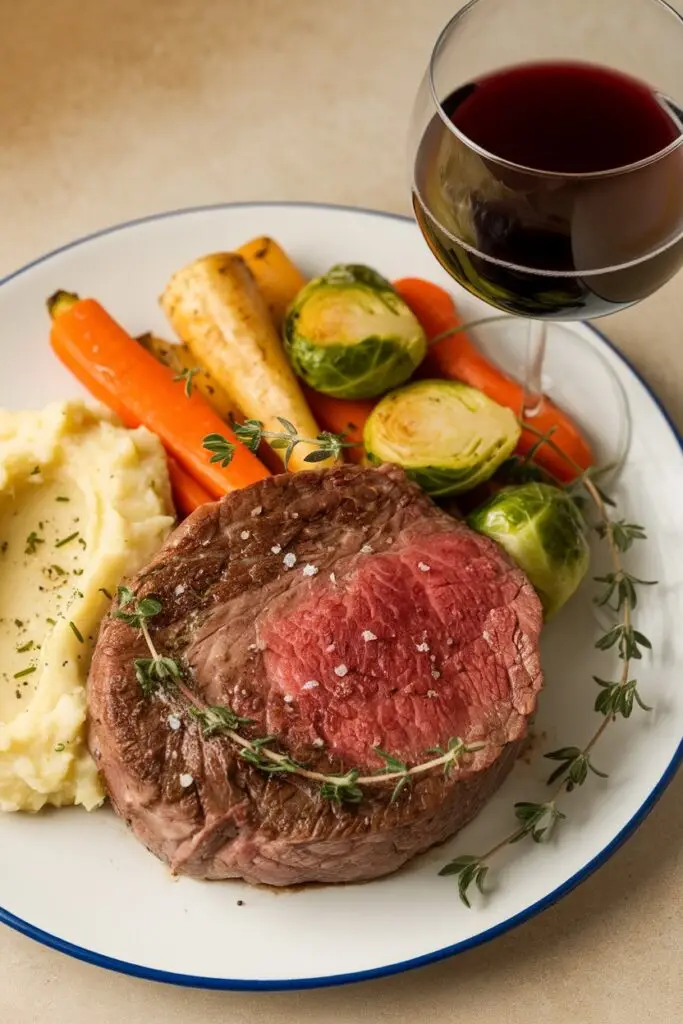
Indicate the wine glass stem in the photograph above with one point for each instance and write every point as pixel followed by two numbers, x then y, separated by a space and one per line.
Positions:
pixel 533 371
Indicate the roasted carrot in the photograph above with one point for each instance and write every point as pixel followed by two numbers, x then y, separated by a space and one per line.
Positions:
pixel 188 495
pixel 341 416
pixel 180 360
pixel 277 278
pixel 120 373
pixel 456 357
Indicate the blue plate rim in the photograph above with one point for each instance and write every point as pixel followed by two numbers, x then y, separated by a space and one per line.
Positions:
pixel 266 985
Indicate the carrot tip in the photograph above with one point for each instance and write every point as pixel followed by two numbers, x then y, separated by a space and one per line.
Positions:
pixel 61 302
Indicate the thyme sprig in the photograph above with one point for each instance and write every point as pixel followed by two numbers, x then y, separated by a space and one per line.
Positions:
pixel 152 673
pixel 251 432
pixel 619 594
pixel 536 821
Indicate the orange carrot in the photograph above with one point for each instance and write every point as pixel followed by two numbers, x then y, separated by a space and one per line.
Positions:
pixel 119 372
pixel 188 495
pixel 341 416
pixel 456 357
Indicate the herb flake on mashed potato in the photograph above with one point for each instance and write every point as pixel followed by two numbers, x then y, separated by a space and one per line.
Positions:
pixel 84 502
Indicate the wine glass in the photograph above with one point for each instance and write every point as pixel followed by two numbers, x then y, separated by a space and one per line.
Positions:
pixel 546 162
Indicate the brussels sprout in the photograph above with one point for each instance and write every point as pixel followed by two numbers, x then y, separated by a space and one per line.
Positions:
pixel 543 531
pixel 447 436
pixel 349 334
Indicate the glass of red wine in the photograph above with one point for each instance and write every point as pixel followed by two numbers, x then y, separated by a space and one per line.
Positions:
pixel 546 160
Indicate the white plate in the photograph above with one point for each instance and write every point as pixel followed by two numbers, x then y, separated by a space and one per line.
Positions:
pixel 82 884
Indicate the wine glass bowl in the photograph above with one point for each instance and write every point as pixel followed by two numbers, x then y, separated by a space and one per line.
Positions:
pixel 549 244
pixel 546 163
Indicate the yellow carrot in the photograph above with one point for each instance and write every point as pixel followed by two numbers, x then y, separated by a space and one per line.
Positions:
pixel 277 278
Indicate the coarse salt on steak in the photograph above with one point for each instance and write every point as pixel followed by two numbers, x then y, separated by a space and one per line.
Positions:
pixel 392 625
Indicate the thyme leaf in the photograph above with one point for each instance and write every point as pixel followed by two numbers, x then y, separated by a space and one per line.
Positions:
pixel 156 673
pixel 218 719
pixel 537 820
pixel 623 534
pixel 148 608
pixel 187 375
pixel 254 755
pixel 620 587
pixel 343 790
pixel 628 641
pixel 469 871
pixel 222 449
pixel 573 768
pixel 618 698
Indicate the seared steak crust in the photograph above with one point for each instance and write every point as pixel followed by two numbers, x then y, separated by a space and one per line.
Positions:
pixel 395 627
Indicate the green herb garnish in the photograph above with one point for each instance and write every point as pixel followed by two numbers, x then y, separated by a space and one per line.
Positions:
pixel 325 446
pixel 32 542
pixel 616 698
pixel 76 632
pixel 66 540
pixel 188 376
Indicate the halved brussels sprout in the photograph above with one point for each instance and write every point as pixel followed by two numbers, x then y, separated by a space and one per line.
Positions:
pixel 447 436
pixel 543 531
pixel 349 334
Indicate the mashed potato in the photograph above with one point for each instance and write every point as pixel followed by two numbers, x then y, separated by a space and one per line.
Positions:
pixel 83 503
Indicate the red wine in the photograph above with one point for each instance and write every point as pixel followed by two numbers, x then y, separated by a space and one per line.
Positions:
pixel 566 118
pixel 543 244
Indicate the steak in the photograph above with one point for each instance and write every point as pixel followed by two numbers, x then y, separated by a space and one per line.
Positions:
pixel 341 612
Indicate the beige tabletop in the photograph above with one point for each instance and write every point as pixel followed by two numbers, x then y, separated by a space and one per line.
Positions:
pixel 110 109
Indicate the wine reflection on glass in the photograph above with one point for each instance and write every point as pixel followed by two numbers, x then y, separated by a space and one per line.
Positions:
pixel 546 164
